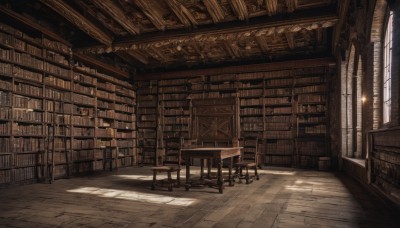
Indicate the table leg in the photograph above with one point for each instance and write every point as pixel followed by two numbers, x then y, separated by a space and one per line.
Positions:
pixel 231 183
pixel 209 168
pixel 220 181
pixel 187 185
pixel 201 169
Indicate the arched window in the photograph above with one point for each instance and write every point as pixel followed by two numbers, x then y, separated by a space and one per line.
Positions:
pixel 387 69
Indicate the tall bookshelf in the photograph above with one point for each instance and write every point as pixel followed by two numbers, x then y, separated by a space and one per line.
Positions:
pixel 49 121
pixel 285 109
pixel 147 120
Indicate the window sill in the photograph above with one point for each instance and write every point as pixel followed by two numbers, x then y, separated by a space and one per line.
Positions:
pixel 357 161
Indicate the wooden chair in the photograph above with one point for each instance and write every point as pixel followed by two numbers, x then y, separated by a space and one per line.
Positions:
pixel 169 167
pixel 249 160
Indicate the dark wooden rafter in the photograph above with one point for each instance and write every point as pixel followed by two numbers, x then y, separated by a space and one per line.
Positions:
pixel 197 49
pixel 262 42
pixel 184 15
pixel 138 55
pixel 343 7
pixel 118 15
pixel 125 57
pixel 271 6
pixel 151 14
pixel 98 64
pixel 240 9
pixel 232 49
pixel 78 20
pixel 156 54
pixel 287 65
pixel 91 10
pixel 274 27
pixel 26 21
pixel 291 5
pixel 215 10
pixel 290 40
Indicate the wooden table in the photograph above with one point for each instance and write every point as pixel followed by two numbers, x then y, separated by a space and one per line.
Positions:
pixel 217 154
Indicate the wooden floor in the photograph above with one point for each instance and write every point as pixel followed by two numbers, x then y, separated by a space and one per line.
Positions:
pixel 281 198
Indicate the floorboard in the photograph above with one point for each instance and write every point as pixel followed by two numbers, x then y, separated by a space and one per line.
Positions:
pixel 281 198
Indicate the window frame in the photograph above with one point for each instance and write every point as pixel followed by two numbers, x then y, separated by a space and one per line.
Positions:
pixel 387 69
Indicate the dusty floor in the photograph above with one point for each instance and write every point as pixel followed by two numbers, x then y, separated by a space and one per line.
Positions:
pixel 281 198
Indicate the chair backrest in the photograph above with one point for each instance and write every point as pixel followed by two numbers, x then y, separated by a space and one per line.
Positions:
pixel 250 151
pixel 173 153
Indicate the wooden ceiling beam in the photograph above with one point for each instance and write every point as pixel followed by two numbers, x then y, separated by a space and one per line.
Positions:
pixel 240 9
pixel 98 64
pixel 184 15
pixel 310 22
pixel 215 10
pixel 271 6
pixel 274 66
pixel 139 56
pixel 290 40
pixel 26 21
pixel 151 14
pixel 118 15
pixel 78 20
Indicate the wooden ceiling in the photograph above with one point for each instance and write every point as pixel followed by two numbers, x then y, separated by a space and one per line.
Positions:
pixel 151 35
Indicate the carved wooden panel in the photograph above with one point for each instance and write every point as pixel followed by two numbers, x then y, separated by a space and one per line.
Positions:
pixel 214 119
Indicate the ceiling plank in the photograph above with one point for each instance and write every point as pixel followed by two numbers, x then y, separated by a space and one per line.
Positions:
pixel 182 13
pixel 215 10
pixel 309 22
pixel 78 20
pixel 98 64
pixel 118 15
pixel 271 6
pixel 287 65
pixel 151 13
pixel 240 9
pixel 290 40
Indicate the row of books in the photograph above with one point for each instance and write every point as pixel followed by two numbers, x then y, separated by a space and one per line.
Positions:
pixel 25 60
pixel 283 147
pixel 83 132
pixel 279 134
pixel 310 89
pixel 28 89
pixel 34 130
pixel 26 74
pixel 105 95
pixel 59 107
pixel 178 111
pixel 277 100
pixel 5 113
pixel 251 93
pixel 26 159
pixel 173 96
pixel 58 46
pixel 177 120
pixel 54 81
pixel 26 173
pixel 27 115
pixel 124 125
pixel 105 104
pixel 311 148
pixel 304 98
pixel 311 108
pixel 317 129
pixel 79 144
pixel 177 128
pixel 271 126
pixel 105 86
pixel 51 94
pixel 124 108
pixel 56 57
pixel 252 126
pixel 84 89
pixel 22 144
pixel 6 85
pixel 78 77
pixel 246 119
pixel 5 160
pixel 27 102
pixel 278 110
pixel 82 121
pixel 82 99
pixel 251 111
pixel 53 69
pixel 110 114
pixel 278 92
pixel 173 104
pixel 4 128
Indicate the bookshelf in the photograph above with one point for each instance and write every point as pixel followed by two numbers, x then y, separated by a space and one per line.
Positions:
pixel 56 115
pixel 147 119
pixel 286 110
